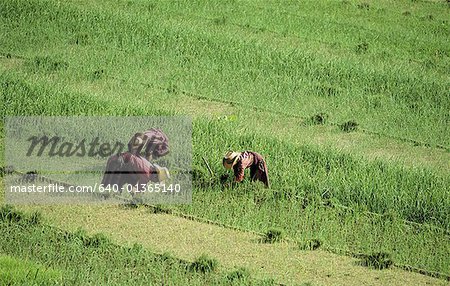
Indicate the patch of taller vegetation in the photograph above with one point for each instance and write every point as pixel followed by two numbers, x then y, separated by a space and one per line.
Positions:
pixel 319 119
pixel 46 64
pixel 239 275
pixel 349 126
pixel 273 235
pixel 311 244
pixel 9 214
pixel 204 264
pixel 6 170
pixel 378 260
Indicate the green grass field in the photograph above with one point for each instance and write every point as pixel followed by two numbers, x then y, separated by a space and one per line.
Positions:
pixel 76 258
pixel 252 74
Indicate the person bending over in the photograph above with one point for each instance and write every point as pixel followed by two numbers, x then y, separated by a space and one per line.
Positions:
pixel 239 161
pixel 135 168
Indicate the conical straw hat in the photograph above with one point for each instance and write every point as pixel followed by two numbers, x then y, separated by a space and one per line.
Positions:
pixel 230 159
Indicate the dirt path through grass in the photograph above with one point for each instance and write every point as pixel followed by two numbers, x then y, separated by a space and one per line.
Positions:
pixel 188 239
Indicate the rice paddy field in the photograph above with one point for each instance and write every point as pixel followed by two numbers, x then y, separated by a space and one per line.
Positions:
pixel 348 101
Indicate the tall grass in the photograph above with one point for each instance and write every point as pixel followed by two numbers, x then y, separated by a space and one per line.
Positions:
pixel 418 195
pixel 303 178
pixel 15 271
pixel 163 44
pixel 388 77
pixel 19 97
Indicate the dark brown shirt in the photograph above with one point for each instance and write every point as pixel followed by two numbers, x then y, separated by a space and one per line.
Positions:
pixel 247 159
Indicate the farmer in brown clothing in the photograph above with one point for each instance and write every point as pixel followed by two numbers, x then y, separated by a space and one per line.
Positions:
pixel 133 168
pixel 239 161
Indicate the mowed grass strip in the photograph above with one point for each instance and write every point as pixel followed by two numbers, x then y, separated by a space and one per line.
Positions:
pixel 233 249
pixel 43 255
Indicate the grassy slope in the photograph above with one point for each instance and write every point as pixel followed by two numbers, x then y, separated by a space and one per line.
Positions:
pixel 292 205
pixel 45 255
pixel 290 129
pixel 15 271
pixel 389 88
pixel 284 262
pixel 177 48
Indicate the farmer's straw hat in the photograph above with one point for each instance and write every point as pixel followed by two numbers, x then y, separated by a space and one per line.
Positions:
pixel 230 159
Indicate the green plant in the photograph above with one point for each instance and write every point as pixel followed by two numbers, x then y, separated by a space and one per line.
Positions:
pixel 311 244
pixel 273 235
pixel 204 264
pixel 319 119
pixel 349 126
pixel 239 275
pixel 378 260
